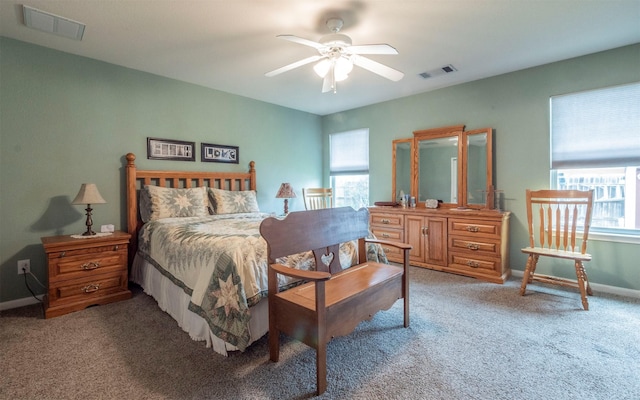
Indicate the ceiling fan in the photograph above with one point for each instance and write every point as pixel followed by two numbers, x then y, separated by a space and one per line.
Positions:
pixel 337 57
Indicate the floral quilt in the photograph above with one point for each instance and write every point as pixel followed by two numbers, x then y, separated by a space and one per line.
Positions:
pixel 221 262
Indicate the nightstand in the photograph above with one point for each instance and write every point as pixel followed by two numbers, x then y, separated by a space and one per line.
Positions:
pixel 85 272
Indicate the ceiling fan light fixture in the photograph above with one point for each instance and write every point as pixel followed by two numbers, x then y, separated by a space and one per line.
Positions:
pixel 341 68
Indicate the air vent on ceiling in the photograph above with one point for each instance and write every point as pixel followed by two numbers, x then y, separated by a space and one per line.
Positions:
pixel 46 22
pixel 447 69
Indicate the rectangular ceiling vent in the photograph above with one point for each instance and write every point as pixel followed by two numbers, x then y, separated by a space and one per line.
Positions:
pixel 447 69
pixel 46 22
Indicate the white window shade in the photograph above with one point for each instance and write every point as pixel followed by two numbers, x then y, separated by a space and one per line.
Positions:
pixel 349 152
pixel 596 128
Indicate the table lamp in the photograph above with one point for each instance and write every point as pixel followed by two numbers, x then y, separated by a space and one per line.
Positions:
pixel 286 192
pixel 88 195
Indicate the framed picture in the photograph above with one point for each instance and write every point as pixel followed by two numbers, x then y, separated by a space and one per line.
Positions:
pixel 165 149
pixel 219 153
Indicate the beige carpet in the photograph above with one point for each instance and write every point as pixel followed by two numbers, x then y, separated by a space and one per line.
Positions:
pixel 468 340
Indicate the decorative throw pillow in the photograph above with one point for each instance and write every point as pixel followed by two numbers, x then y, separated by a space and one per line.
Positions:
pixel 233 202
pixel 157 202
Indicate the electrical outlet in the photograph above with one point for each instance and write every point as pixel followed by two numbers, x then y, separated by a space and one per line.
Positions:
pixel 24 265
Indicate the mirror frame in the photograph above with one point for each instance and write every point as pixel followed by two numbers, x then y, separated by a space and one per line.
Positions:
pixel 463 136
pixel 394 159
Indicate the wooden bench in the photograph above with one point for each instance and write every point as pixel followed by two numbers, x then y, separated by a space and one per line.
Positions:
pixel 333 301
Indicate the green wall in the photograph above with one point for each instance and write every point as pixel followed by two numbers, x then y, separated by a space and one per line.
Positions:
pixel 516 106
pixel 65 120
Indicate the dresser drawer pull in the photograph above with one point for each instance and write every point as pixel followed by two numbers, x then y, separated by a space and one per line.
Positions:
pixel 472 228
pixel 473 264
pixel 385 221
pixel 90 265
pixel 115 248
pixel 62 254
pixel 472 246
pixel 91 288
pixel 385 235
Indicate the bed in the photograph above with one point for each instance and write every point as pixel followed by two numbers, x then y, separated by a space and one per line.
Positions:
pixel 196 249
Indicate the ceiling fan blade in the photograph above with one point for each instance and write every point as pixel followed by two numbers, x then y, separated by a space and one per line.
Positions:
pixel 293 65
pixel 377 68
pixel 372 49
pixel 300 40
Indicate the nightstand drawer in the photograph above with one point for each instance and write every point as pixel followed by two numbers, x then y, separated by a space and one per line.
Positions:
pixel 79 263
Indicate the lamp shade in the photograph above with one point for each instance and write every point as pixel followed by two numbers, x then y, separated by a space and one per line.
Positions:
pixel 88 194
pixel 285 192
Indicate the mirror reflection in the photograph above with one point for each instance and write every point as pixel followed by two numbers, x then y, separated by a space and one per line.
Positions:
pixel 402 165
pixel 476 168
pixel 438 169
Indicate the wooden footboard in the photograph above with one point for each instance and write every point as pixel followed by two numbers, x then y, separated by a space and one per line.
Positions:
pixel 137 178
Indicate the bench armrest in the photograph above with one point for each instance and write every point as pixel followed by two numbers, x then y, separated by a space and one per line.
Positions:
pixel 399 245
pixel 300 274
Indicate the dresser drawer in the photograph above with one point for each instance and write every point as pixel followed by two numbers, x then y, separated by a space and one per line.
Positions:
pixel 474 228
pixel 86 262
pixel 388 234
pixel 382 220
pixel 483 246
pixel 465 261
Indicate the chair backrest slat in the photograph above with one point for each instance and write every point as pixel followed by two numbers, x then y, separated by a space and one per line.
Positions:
pixel 559 212
pixel 317 198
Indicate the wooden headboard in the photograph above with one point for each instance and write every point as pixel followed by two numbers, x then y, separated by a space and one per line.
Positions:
pixel 137 178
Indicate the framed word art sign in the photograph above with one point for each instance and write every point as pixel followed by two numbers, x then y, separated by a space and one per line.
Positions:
pixel 167 149
pixel 219 153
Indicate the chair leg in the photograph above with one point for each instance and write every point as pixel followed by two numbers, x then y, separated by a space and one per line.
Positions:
pixel 528 272
pixel 586 280
pixel 580 274
pixel 321 367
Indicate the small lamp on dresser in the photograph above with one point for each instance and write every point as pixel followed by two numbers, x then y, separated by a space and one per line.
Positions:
pixel 88 195
pixel 286 192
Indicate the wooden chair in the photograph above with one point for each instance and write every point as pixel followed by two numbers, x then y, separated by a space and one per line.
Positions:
pixel 552 217
pixel 317 198
pixel 333 301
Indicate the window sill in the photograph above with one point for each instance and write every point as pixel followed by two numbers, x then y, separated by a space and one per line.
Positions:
pixel 614 237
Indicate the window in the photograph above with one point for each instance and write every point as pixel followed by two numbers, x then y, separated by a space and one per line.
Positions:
pixel 349 168
pixel 595 144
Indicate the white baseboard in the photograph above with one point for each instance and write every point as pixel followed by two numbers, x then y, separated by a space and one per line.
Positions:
pixel 27 301
pixel 599 287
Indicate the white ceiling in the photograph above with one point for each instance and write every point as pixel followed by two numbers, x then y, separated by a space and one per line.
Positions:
pixel 230 45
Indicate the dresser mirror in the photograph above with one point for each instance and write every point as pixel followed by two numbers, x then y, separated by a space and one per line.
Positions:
pixel 448 164
pixel 478 166
pixel 401 159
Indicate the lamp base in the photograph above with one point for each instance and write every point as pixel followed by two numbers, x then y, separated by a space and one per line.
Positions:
pixel 89 222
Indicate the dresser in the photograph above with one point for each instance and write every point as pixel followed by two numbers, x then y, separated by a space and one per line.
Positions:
pixel 468 242
pixel 85 272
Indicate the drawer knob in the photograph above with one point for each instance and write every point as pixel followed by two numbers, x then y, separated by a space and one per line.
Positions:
pixel 91 288
pixel 90 265
pixel 385 235
pixel 473 264
pixel 472 246
pixel 472 228
pixel 385 221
